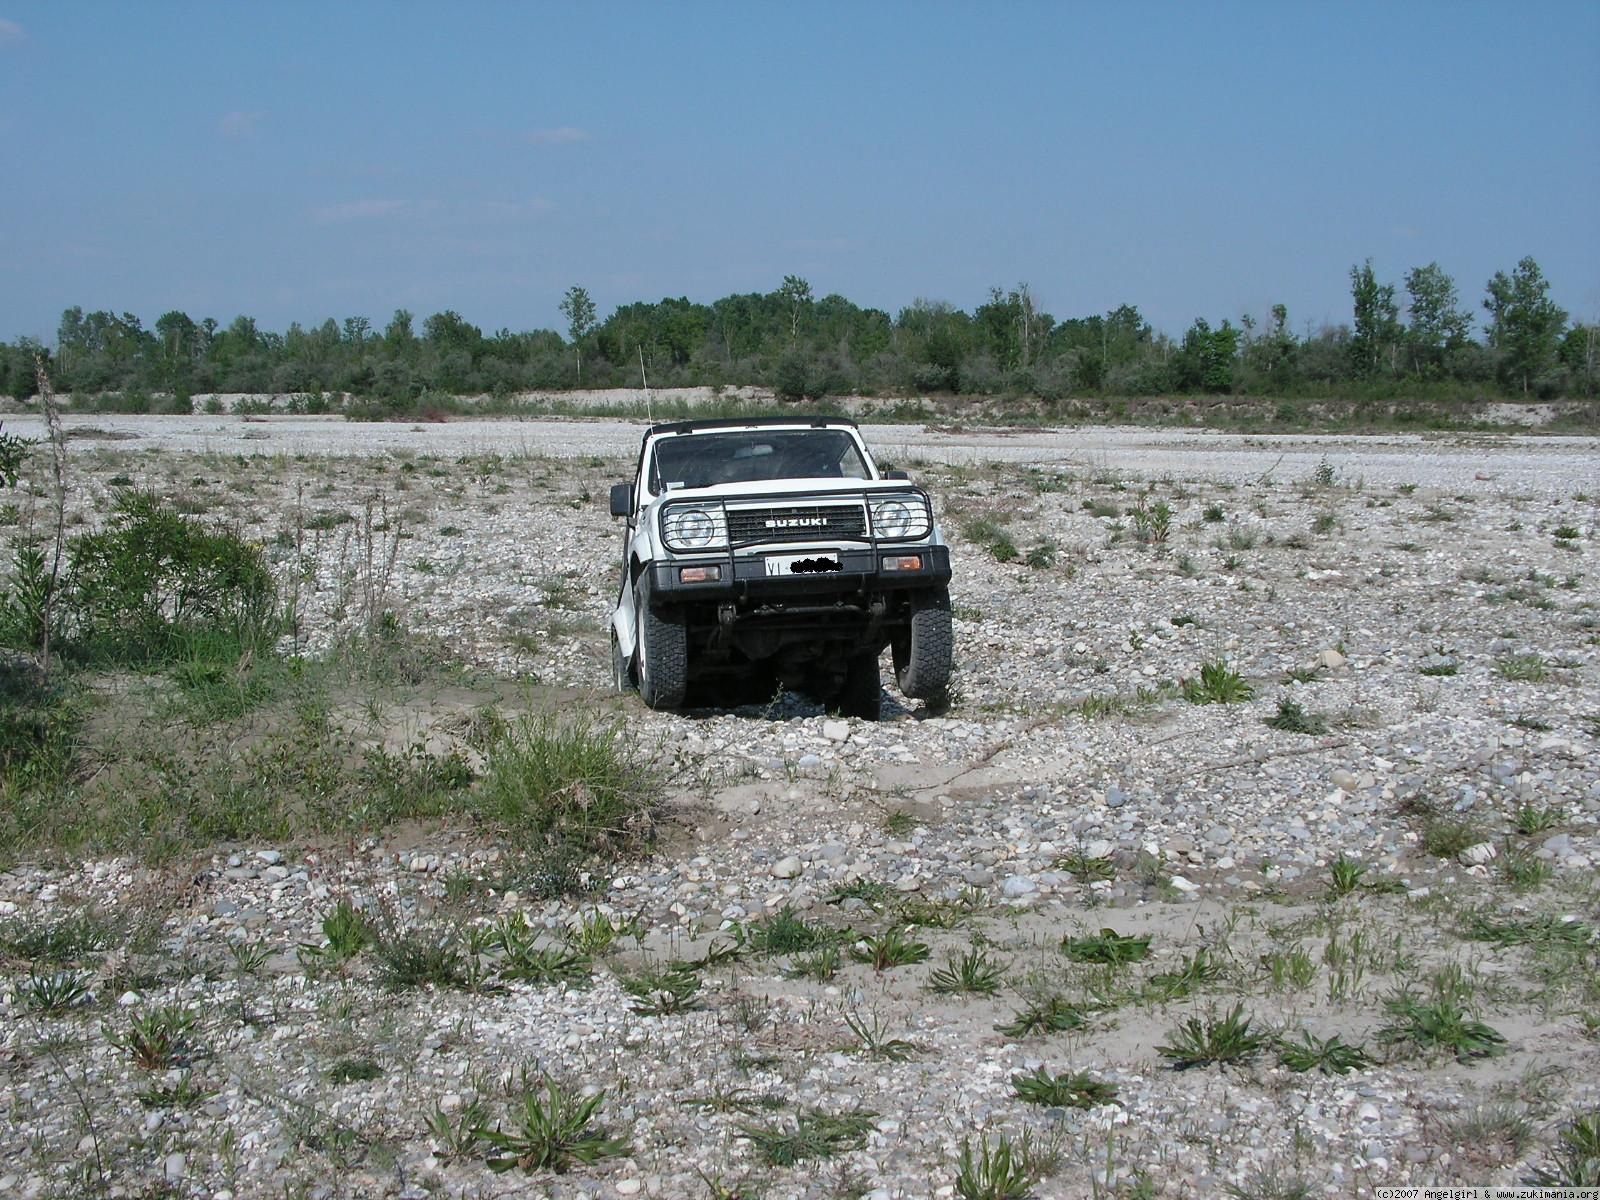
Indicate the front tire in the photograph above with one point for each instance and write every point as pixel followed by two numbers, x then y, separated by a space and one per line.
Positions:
pixel 661 654
pixel 925 655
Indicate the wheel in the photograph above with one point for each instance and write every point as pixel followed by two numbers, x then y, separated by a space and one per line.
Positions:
pixel 924 655
pixel 861 693
pixel 661 654
pixel 621 670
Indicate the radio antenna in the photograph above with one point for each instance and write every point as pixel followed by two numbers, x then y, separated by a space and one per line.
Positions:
pixel 649 416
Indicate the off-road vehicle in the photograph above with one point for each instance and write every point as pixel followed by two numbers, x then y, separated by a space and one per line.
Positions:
pixel 773 553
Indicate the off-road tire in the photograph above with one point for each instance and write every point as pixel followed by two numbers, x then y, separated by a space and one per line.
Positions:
pixel 861 693
pixel 924 656
pixel 661 654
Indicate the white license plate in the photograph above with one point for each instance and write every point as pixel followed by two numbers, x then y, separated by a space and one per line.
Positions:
pixel 803 564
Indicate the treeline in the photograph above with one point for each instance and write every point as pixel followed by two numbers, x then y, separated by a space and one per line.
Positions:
pixel 805 347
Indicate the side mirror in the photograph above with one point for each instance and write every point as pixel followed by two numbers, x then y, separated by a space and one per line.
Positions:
pixel 897 474
pixel 622 499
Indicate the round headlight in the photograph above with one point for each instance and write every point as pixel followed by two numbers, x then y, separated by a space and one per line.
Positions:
pixel 891 519
pixel 695 528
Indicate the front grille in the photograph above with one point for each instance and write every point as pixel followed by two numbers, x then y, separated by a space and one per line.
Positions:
pixel 796 523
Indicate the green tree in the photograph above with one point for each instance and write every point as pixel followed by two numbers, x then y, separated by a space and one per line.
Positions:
pixel 1438 325
pixel 1271 357
pixel 579 311
pixel 1580 353
pixel 796 294
pixel 398 334
pixel 1377 324
pixel 1205 361
pixel 1525 325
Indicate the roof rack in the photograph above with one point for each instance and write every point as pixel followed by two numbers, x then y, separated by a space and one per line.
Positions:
pixel 814 421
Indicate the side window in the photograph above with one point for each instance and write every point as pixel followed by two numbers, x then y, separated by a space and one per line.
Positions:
pixel 851 465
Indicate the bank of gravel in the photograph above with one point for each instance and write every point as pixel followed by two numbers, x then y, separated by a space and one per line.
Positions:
pixel 1414 595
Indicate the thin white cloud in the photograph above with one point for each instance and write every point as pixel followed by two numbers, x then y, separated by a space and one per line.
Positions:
pixel 238 124
pixel 566 135
pixel 358 210
pixel 11 33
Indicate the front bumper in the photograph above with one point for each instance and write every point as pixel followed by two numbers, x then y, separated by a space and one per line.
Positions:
pixel 744 577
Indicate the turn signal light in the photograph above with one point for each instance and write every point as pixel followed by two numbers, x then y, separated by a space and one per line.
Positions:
pixel 710 574
pixel 903 562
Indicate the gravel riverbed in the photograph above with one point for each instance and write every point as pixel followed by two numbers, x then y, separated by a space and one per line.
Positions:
pixel 1426 604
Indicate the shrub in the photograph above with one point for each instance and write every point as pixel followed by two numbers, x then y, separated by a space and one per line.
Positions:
pixel 38 724
pixel 140 589
pixel 13 451
pixel 577 785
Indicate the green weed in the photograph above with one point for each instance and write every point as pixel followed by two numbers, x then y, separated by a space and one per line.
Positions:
pixel 422 958
pixel 353 1070
pixel 1543 929
pixel 1329 1055
pixel 1344 876
pixel 1447 837
pixel 1050 1014
pixel 1201 1041
pixel 1196 972
pixel 554 1131
pixel 890 949
pixel 1575 1161
pixel 1108 946
pixel 664 991
pixel 1521 668
pixel 873 1040
pixel 1530 819
pixel 821 965
pixel 1438 1024
pixel 346 932
pixel 813 1135
pixel 973 973
pixel 1071 1089
pixel 785 932
pixel 994 1171
pixel 1217 684
pixel 52 993
pixel 1291 718
pixel 158 1038
pixel 1085 869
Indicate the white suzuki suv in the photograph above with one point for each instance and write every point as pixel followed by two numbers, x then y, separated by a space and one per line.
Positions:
pixel 774 553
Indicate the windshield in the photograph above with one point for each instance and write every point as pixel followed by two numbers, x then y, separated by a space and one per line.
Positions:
pixel 754 456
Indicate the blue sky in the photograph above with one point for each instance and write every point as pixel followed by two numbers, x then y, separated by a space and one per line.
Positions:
pixel 297 161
